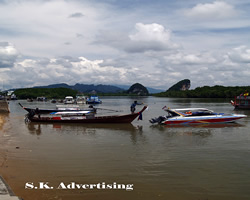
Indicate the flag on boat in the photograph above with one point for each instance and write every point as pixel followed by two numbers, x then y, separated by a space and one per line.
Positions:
pixel 140 116
pixel 164 107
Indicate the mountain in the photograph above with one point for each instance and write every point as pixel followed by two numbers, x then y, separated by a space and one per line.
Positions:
pixel 181 86
pixel 150 90
pixel 138 89
pixel 85 88
pixel 60 85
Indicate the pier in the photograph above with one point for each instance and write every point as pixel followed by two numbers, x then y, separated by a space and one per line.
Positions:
pixel 4 106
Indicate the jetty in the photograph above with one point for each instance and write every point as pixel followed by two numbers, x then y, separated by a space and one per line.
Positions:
pixel 5 191
pixel 4 106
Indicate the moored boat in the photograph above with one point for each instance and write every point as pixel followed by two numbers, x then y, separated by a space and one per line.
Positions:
pixel 82 117
pixel 195 116
pixel 80 99
pixel 69 108
pixel 69 100
pixel 93 100
pixel 241 102
pixel 41 99
pixel 53 101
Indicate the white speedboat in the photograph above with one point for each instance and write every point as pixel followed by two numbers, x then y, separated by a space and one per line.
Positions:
pixel 80 99
pixel 194 116
pixel 69 100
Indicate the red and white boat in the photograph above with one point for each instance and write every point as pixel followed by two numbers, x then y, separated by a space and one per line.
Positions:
pixel 77 116
pixel 195 116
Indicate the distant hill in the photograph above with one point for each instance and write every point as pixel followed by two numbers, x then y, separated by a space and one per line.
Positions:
pixel 85 88
pixel 60 85
pixel 50 93
pixel 138 89
pixel 150 90
pixel 216 91
pixel 181 86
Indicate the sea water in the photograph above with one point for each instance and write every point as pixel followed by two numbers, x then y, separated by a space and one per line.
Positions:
pixel 126 161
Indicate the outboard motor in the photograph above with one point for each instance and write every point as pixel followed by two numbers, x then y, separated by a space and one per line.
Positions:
pixel 157 119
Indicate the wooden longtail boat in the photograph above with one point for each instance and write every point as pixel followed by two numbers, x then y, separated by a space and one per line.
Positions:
pixel 48 111
pixel 241 102
pixel 82 117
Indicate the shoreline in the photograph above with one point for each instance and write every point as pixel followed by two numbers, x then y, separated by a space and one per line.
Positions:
pixel 4 106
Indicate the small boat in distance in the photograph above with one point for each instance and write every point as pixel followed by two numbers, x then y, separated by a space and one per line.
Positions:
pixel 69 100
pixel 53 101
pixel 194 116
pixel 241 102
pixel 93 100
pixel 80 99
pixel 41 99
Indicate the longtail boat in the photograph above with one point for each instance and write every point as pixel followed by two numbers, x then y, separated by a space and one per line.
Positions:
pixel 241 102
pixel 59 108
pixel 194 116
pixel 81 117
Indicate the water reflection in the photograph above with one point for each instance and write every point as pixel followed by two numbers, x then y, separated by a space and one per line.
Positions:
pixel 194 133
pixel 86 129
pixel 3 119
pixel 207 125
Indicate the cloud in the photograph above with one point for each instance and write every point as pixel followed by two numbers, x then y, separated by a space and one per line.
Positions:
pixel 67 43
pixel 156 44
pixel 150 32
pixel 8 55
pixel 150 37
pixel 146 37
pixel 32 72
pixel 50 26
pixel 76 15
pixel 240 54
pixel 181 58
pixel 211 11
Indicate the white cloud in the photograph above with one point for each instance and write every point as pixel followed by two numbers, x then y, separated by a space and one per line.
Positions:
pixel 240 54
pixel 150 37
pixel 145 37
pixel 34 72
pixel 181 58
pixel 150 32
pixel 156 44
pixel 211 11
pixel 41 28
pixel 8 55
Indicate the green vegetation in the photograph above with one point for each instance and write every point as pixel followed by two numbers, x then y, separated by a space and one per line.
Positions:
pixel 50 93
pixel 138 89
pixel 199 92
pixel 181 85
pixel 206 92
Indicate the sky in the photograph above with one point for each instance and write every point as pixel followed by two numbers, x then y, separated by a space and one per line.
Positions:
pixel 155 43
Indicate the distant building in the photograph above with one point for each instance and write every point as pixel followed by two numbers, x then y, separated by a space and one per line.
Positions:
pixel 93 92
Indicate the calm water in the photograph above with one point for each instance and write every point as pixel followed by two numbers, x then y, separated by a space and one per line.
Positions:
pixel 170 163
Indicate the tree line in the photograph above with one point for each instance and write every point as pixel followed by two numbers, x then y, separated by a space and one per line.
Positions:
pixel 207 92
pixel 199 92
pixel 50 93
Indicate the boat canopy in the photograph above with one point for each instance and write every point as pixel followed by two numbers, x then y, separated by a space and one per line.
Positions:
pixel 189 111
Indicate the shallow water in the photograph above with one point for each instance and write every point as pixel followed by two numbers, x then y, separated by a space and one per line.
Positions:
pixel 191 162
